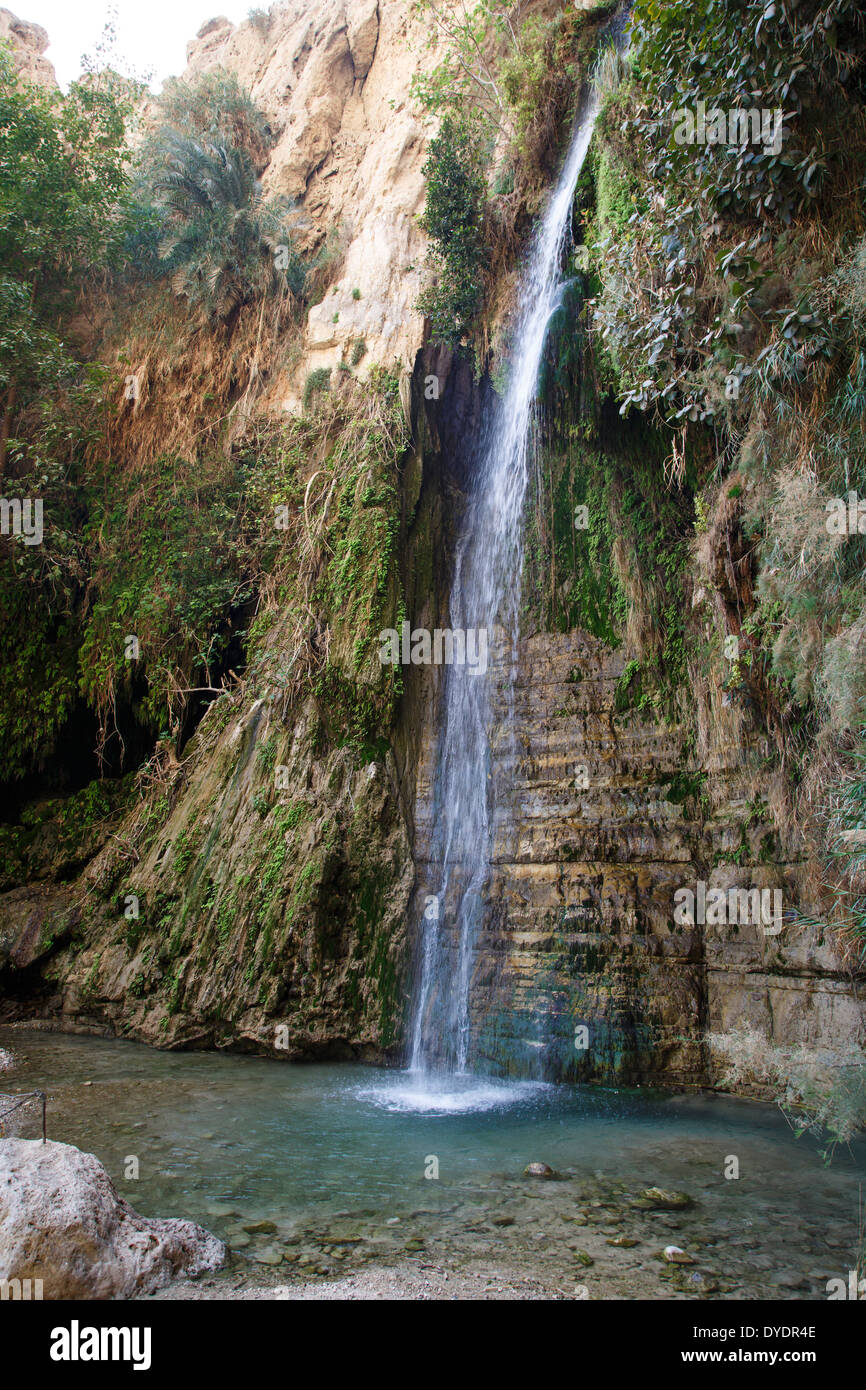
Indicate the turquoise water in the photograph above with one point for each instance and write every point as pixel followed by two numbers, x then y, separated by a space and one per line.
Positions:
pixel 334 1158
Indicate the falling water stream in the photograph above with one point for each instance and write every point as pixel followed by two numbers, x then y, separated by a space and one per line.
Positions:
pixel 485 596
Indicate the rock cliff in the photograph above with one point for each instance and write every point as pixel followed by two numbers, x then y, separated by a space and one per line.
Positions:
pixel 261 888
pixel 334 82
pixel 28 43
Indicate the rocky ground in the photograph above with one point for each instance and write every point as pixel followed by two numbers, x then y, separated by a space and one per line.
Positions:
pixel 404 1280
pixel 525 1239
pixel 523 1235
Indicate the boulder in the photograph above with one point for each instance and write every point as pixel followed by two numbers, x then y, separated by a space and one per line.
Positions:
pixel 62 1221
pixel 538 1170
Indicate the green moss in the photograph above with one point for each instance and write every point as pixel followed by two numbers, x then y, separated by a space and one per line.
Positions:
pixel 266 753
pixel 628 688
pixel 685 785
pixel 88 989
pixel 184 848
pixel 616 192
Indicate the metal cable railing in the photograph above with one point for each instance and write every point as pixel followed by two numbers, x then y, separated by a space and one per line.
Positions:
pixel 10 1103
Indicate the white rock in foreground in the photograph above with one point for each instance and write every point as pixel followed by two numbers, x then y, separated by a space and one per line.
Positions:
pixel 62 1221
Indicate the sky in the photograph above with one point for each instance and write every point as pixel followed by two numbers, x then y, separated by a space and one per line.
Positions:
pixel 152 34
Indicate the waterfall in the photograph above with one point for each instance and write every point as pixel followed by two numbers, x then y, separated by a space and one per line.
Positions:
pixel 485 596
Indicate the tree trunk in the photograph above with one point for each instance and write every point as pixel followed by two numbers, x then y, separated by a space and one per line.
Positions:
pixel 5 425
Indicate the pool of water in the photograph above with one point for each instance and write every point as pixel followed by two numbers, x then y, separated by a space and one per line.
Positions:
pixel 342 1164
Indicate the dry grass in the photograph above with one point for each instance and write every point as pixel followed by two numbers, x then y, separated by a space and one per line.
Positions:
pixel 196 384
pixel 820 1089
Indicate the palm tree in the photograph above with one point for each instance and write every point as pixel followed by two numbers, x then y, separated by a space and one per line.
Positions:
pixel 223 237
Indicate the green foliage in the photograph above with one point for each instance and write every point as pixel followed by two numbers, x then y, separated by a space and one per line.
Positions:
pixel 334 577
pixel 171 569
pixel 319 379
pixel 215 107
pixel 59 833
pixel 266 753
pixel 729 301
pixel 201 216
pixel 606 540
pixel 224 239
pixel 570 580
pixel 504 82
pixel 794 57
pixel 360 591
pixel 666 337
pixel 846 848
pixel 542 75
pixel 168 557
pixel 628 687
pixel 31 354
pixel 616 191
pixel 62 175
pixel 454 220
pixel 466 78
pixel 38 678
pixel 62 211
pixel 685 786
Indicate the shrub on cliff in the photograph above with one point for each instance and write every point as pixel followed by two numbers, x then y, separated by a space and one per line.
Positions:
pixel 504 91
pixel 454 220
pixel 215 106
pixel 730 307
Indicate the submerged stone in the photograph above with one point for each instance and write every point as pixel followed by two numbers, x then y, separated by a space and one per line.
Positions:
pixel 539 1170
pixel 674 1255
pixel 268 1257
pixel 665 1200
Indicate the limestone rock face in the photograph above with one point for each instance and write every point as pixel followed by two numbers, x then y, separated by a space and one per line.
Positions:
pixel 29 42
pixel 62 1221
pixel 333 79
pixel 362 20
pixel 581 932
